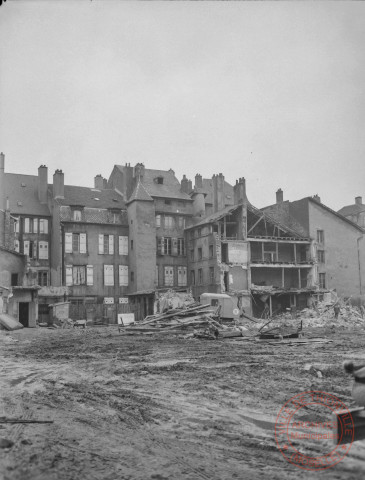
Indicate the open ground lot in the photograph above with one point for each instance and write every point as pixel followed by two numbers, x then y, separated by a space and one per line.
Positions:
pixel 162 407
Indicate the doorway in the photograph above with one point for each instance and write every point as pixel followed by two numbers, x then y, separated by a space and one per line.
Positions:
pixel 24 313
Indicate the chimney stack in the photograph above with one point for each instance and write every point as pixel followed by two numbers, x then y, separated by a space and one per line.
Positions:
pixel 239 191
pixel 185 185
pixel 99 182
pixel 218 192
pixel 198 181
pixel 42 183
pixel 358 200
pixel 279 196
pixel 58 184
pixel 317 198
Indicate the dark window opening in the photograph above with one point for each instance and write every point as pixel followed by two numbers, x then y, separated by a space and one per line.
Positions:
pixel 159 180
pixel 225 252
pixel 14 279
pixel 132 276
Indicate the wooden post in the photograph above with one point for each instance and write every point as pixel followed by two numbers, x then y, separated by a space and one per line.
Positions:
pixel 224 227
pixel 295 253
pixel 282 278
pixel 262 251
pixel 270 304
pixel 299 279
pixel 277 251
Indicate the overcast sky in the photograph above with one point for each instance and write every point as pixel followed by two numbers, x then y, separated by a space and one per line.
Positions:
pixel 272 91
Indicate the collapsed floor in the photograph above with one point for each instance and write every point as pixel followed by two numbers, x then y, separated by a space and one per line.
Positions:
pixel 162 407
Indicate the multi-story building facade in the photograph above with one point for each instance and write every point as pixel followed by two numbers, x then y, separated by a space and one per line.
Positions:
pixel 244 252
pixel 90 242
pixel 339 243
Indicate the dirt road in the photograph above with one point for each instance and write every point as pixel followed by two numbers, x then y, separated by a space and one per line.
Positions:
pixel 143 407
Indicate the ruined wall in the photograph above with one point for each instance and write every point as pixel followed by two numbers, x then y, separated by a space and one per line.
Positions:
pixel 341 251
pixel 11 263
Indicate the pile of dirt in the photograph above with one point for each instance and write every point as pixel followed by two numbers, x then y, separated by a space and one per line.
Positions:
pixel 173 299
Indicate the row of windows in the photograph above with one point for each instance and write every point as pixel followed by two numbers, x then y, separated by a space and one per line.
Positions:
pixel 77 243
pixel 200 253
pixel 169 276
pixel 169 222
pixel 31 225
pixel 171 246
pixel 33 249
pixel 84 275
pixel 202 277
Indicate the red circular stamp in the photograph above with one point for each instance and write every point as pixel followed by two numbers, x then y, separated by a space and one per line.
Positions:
pixel 314 430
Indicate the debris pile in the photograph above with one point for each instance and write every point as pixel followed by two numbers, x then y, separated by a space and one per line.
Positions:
pixel 202 321
pixel 173 299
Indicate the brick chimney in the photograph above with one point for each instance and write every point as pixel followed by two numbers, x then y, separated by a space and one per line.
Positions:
pixel 239 191
pixel 185 185
pixel 99 182
pixel 58 184
pixel 139 171
pixel 358 200
pixel 218 192
pixel 42 183
pixel 279 196
pixel 198 181
pixel 317 198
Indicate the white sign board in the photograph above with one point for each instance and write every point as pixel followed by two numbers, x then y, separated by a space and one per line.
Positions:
pixel 123 299
pixel 125 319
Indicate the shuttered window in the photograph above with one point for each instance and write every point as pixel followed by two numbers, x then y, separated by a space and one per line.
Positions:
pixel 123 275
pixel 106 244
pixel 123 245
pixel 16 245
pixel 26 247
pixel 82 242
pixel 169 276
pixel 108 275
pixel 181 276
pixel 89 275
pixel 68 242
pixel 43 250
pixel 68 271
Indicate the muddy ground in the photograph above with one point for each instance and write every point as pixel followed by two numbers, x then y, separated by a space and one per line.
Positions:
pixel 161 407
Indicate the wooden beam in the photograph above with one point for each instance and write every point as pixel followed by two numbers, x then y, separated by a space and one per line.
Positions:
pixel 224 227
pixel 299 279
pixel 282 278
pixel 262 252
pixel 255 224
pixel 277 251
pixel 295 253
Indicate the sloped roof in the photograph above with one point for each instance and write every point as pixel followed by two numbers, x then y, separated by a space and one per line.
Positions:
pixel 337 214
pixel 22 191
pixel 170 188
pixel 140 194
pixel 353 209
pixel 90 197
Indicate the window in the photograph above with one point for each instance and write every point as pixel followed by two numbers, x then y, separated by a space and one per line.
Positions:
pixel 199 232
pixel 14 279
pixel 43 225
pixel 192 277
pixel 158 221
pixel 30 225
pixel 75 242
pixel 181 276
pixel 200 253
pixel 35 225
pixel 200 276
pixel 191 255
pixel 167 245
pixel 211 275
pixel 43 278
pixel 159 180
pixel 180 246
pixel 16 245
pixel 211 251
pixel 32 249
pixel 16 224
pixel 123 245
pixel 169 276
pixel 132 276
pixel 106 244
pixel 79 275
pixel 131 244
pixel 123 275
pixel 43 251
pixel 320 256
pixel 322 280
pixel 181 222
pixel 89 275
pixel 76 215
pixel 169 222
pixel 26 225
pixel 320 236
pixel 167 202
pixel 108 275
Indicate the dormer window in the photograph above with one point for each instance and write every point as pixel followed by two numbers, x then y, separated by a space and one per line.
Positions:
pixel 159 180
pixel 77 215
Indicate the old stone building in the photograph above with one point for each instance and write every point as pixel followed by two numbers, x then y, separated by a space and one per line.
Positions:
pixel 339 243
pixel 355 212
